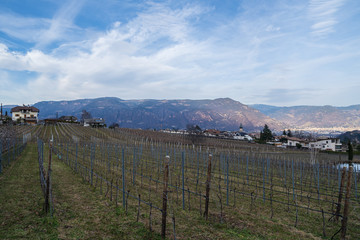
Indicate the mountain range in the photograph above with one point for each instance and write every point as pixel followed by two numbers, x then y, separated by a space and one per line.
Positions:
pixel 221 113
pixel 314 117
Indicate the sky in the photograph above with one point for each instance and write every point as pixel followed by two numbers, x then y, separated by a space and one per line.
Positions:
pixel 276 52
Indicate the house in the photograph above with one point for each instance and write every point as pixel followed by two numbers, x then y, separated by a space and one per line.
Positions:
pixel 51 121
pixel 255 135
pixel 25 114
pixel 69 119
pixel 294 142
pixel 326 144
pixel 242 136
pixel 94 122
pixel 212 133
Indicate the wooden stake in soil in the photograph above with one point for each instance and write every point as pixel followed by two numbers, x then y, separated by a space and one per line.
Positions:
pixel 346 207
pixel 338 207
pixel 296 218
pixel 221 206
pixel 117 192
pixel 188 198
pixel 208 181
pixel 47 196
pixel 173 220
pixel 164 208
pixel 138 213
pixel 234 197
pixel 323 219
pixel 271 201
pixel 126 201
pixel 111 189
pixel 200 203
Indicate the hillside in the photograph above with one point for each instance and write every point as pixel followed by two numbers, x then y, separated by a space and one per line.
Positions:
pixel 353 136
pixel 306 117
pixel 222 113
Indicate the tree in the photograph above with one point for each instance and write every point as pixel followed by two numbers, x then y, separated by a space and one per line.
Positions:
pixel 350 152
pixel 85 115
pixel 266 134
pixel 289 134
pixel 114 125
pixel 195 133
pixel 284 133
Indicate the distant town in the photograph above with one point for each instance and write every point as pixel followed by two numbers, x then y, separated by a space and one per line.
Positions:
pixel 29 115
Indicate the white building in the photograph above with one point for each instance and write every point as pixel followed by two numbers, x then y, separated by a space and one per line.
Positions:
pixel 243 136
pixel 332 144
pixel 94 122
pixel 25 114
pixel 293 142
pixel 326 144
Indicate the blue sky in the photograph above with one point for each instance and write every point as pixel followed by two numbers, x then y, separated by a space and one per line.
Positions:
pixel 273 52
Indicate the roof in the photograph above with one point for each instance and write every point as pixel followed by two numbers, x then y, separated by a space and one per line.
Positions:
pixel 51 120
pixel 295 139
pixel 71 118
pixel 94 120
pixel 19 108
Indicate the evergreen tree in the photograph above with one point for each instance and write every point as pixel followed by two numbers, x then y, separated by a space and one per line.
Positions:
pixel 289 133
pixel 284 133
pixel 266 134
pixel 350 152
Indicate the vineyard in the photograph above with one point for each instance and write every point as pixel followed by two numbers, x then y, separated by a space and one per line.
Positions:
pixel 172 185
pixel 13 140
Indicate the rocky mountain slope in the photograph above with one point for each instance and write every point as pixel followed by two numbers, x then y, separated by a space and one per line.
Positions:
pixel 314 116
pixel 222 113
pixel 353 136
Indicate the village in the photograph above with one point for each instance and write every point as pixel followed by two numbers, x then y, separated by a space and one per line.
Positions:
pixel 29 115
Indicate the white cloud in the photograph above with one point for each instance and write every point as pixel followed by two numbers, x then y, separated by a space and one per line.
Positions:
pixel 160 53
pixel 23 28
pixel 271 28
pixel 62 22
pixel 111 64
pixel 323 14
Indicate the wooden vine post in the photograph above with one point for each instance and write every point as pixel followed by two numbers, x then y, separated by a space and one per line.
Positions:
pixel 48 182
pixel 347 203
pixel 338 207
pixel 208 180
pixel 164 208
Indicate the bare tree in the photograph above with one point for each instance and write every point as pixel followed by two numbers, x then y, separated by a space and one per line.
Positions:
pixel 195 134
pixel 85 115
